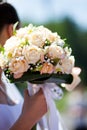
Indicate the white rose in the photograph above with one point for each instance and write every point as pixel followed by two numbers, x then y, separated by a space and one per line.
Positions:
pixel 22 32
pixel 52 36
pixel 56 51
pixel 48 34
pixel 11 43
pixel 68 51
pixel 10 46
pixel 66 65
pixel 18 65
pixel 32 54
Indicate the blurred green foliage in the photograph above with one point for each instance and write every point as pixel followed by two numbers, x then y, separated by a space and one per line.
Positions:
pixel 62 103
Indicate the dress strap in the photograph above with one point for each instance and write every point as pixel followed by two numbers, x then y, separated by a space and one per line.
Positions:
pixel 9 101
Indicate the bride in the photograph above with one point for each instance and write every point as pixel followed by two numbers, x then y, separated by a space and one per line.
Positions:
pixel 16 114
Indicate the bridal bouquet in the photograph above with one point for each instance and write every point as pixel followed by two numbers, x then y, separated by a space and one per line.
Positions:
pixel 40 56
pixel 35 50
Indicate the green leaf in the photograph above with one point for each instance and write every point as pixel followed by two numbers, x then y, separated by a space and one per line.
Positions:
pixel 66 45
pixel 47 43
pixel 14 28
pixel 1 49
pixel 36 77
pixel 55 61
pixel 55 78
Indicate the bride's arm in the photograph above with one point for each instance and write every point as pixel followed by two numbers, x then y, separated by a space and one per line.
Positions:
pixel 34 108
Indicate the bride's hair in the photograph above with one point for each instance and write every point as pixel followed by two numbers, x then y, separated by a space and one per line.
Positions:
pixel 8 15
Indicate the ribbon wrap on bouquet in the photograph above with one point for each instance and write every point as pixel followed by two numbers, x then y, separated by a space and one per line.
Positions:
pixel 51 120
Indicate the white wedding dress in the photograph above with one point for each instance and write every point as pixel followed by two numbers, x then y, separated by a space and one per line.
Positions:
pixel 10 113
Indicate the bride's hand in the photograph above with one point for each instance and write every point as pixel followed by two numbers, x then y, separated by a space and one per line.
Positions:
pixel 34 105
pixel 34 108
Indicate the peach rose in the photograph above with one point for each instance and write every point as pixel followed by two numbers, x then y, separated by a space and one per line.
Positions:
pixel 18 65
pixel 47 68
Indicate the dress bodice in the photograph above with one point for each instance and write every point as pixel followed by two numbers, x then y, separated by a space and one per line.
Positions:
pixel 8 115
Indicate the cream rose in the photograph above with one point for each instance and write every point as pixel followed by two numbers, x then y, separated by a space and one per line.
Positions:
pixel 10 46
pixel 48 34
pixel 12 43
pixel 22 32
pixel 37 38
pixel 52 37
pixel 17 52
pixel 56 52
pixel 32 54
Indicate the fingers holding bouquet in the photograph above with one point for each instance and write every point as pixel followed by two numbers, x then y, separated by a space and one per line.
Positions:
pixel 35 106
pixel 37 99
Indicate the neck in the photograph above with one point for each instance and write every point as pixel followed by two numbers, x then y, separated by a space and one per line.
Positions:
pixel 2 40
pixel 3 35
pixel 4 99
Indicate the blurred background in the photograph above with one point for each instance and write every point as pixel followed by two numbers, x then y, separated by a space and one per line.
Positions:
pixel 69 19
